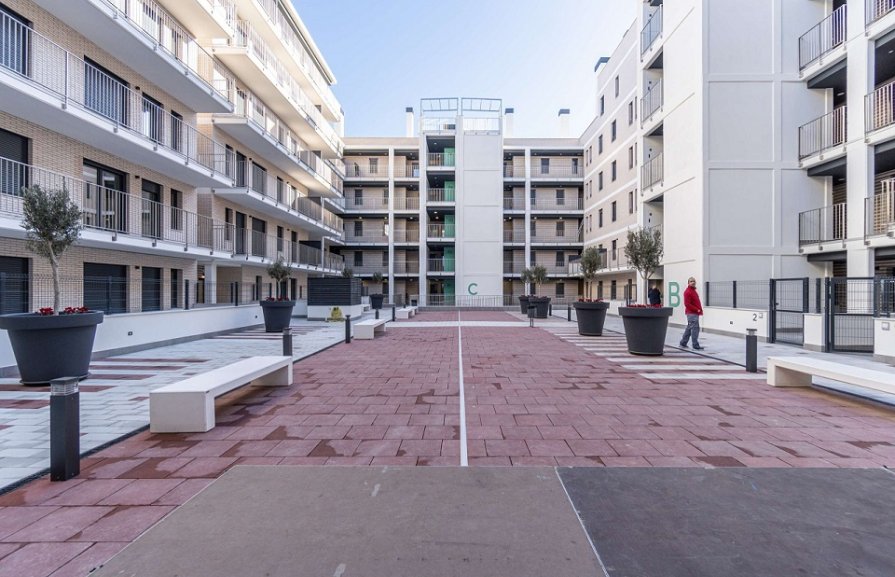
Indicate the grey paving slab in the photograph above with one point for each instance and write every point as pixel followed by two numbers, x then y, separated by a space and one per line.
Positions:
pixel 738 522
pixel 368 522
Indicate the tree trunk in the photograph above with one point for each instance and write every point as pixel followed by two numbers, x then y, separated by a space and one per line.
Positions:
pixel 54 264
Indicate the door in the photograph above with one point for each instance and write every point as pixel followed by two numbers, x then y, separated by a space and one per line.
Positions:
pixel 151 286
pixel 105 199
pixel 105 287
pixel 13 163
pixel 259 237
pixel 15 39
pixel 151 213
pixel 789 303
pixel 241 232
pixel 14 285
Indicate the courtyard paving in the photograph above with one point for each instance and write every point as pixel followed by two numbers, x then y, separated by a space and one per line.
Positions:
pixel 481 389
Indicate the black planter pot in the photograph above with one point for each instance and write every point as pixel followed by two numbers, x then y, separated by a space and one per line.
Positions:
pixel 277 315
pixel 523 304
pixel 50 347
pixel 645 329
pixel 376 301
pixel 542 304
pixel 591 317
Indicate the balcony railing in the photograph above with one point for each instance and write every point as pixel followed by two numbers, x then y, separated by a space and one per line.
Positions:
pixel 408 235
pixel 407 267
pixel 824 133
pixel 568 238
pixel 440 195
pixel 77 83
pixel 876 9
pixel 652 101
pixel 513 203
pixel 370 269
pixel 651 31
pixel 514 236
pixel 364 169
pixel 154 21
pixel 558 205
pixel 119 213
pixel 249 38
pixel 441 265
pixel 512 171
pixel 440 231
pixel 513 267
pixel 653 171
pixel 441 159
pixel 408 170
pixel 613 259
pixel 879 210
pixel 366 238
pixel 823 38
pixel 366 203
pixel 548 171
pixel 438 124
pixel 407 203
pixel 880 107
pixel 823 224
pixel 250 176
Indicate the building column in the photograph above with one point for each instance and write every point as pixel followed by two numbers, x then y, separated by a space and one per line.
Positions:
pixel 390 273
pixel 527 255
pixel 423 281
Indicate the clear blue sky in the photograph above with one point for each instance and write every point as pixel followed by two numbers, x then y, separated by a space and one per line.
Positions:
pixel 536 55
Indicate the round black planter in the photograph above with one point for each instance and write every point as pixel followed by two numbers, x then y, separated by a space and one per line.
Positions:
pixel 50 347
pixel 277 315
pixel 591 317
pixel 542 304
pixel 523 304
pixel 645 329
pixel 376 301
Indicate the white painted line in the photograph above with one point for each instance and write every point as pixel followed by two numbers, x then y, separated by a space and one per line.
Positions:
pixel 663 359
pixel 703 367
pixel 581 522
pixel 705 376
pixel 464 456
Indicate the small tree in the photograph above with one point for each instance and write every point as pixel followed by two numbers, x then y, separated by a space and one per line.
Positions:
pixel 279 271
pixel 52 222
pixel 590 262
pixel 347 272
pixel 377 278
pixel 538 276
pixel 644 251
pixel 525 275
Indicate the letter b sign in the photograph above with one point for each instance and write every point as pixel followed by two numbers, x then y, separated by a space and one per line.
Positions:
pixel 674 294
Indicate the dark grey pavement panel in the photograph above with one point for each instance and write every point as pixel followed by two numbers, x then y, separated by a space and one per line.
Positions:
pixel 738 522
pixel 368 522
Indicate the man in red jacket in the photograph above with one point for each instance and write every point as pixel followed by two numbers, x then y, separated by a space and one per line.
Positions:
pixel 693 310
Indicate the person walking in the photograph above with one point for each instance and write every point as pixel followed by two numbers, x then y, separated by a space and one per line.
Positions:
pixel 654 295
pixel 693 310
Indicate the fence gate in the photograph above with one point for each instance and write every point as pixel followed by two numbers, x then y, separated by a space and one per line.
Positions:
pixel 851 304
pixel 790 300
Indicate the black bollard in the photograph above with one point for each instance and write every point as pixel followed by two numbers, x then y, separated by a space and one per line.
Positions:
pixel 287 342
pixel 377 314
pixel 65 429
pixel 531 315
pixel 751 351
pixel 569 312
pixel 347 329
pixel 393 313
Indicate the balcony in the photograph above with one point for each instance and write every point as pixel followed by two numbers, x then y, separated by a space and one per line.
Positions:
pixel 555 173
pixel 207 18
pixel 440 232
pixel 366 238
pixel 514 267
pixel 651 31
pixel 367 270
pixel 513 204
pixel 652 172
pixel 151 42
pixel 879 211
pixel 258 245
pixel 407 203
pixel 408 170
pixel 252 59
pixel 557 205
pixel 366 170
pixel 65 94
pixel 613 260
pixel 823 38
pixel 410 267
pixel 441 266
pixel 404 236
pixel 366 204
pixel 512 172
pixel 877 10
pixel 261 192
pixel 440 196
pixel 557 239
pixel 442 124
pixel 880 108
pixel 256 126
pixel 823 134
pixel 825 224
pixel 514 237
pixel 653 100
pixel 438 160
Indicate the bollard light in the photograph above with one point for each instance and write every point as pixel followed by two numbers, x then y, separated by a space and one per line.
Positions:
pixel 393 313
pixel 287 342
pixel 751 351
pixel 570 313
pixel 347 329
pixel 65 429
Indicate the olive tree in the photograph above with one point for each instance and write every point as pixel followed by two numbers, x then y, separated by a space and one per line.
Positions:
pixel 644 251
pixel 590 263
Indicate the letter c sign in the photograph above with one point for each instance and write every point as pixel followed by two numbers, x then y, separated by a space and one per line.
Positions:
pixel 473 288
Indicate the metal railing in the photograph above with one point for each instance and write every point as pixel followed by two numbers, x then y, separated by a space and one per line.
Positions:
pixel 440 265
pixel 876 9
pixel 568 238
pixel 879 107
pixel 879 210
pixel 555 204
pixel 438 124
pixel 85 86
pixel 510 203
pixel 440 195
pixel 364 169
pixel 512 171
pixel 407 267
pixel 653 100
pixel 653 171
pixel 823 38
pixel 514 236
pixel 370 269
pixel 365 238
pixel 824 133
pixel 407 203
pixel 249 38
pixel 406 235
pixel 494 302
pixel 441 159
pixel 514 267
pixel 548 171
pixel 408 170
pixel 260 181
pixel 168 34
pixel 651 30
pixel 366 202
pixel 749 294
pixel 823 224
pixel 440 231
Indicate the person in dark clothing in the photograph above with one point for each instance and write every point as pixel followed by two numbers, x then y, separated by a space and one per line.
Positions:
pixel 654 295
pixel 693 310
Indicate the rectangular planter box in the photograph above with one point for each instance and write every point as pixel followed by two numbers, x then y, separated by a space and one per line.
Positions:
pixel 333 291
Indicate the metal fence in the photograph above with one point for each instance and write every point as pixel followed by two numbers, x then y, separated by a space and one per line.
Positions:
pixel 750 294
pixel 482 302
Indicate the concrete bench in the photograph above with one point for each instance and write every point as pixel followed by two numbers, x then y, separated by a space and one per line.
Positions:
pixel 405 313
pixel 797 372
pixel 187 406
pixel 367 329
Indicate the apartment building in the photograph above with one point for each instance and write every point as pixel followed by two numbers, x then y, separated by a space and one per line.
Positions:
pixel 200 138
pixel 458 207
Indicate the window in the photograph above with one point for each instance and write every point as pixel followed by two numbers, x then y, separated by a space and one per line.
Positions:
pixel 106 202
pixel 574 167
pixel 259 178
pixel 614 211
pixel 615 250
pixel 534 228
pixel 630 157
pixel 560 290
pixel 384 198
pixel 600 181
pixel 613 290
pixel 13 160
pixel 545 166
pixel 176 276
pixel 590 154
pixel 602 105
pixel 358 259
pixel 176 131
pixel 228 220
pixel 240 169
pixel 228 160
pixel 614 130
pixel 630 202
pixel 614 170
pixel 560 197
pixel 385 260
pixel 599 289
pixel 358 228
pixel 358 197
pixel 281 190
pixel 14 36
pixel 616 85
pixel 152 118
pixel 176 210
pixel 105 93
pixel 600 218
pixel 587 189
pixel 560 228
pixel 600 144
pixel 280 238
pixel 631 112
pixel 374 165
pixel 560 258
